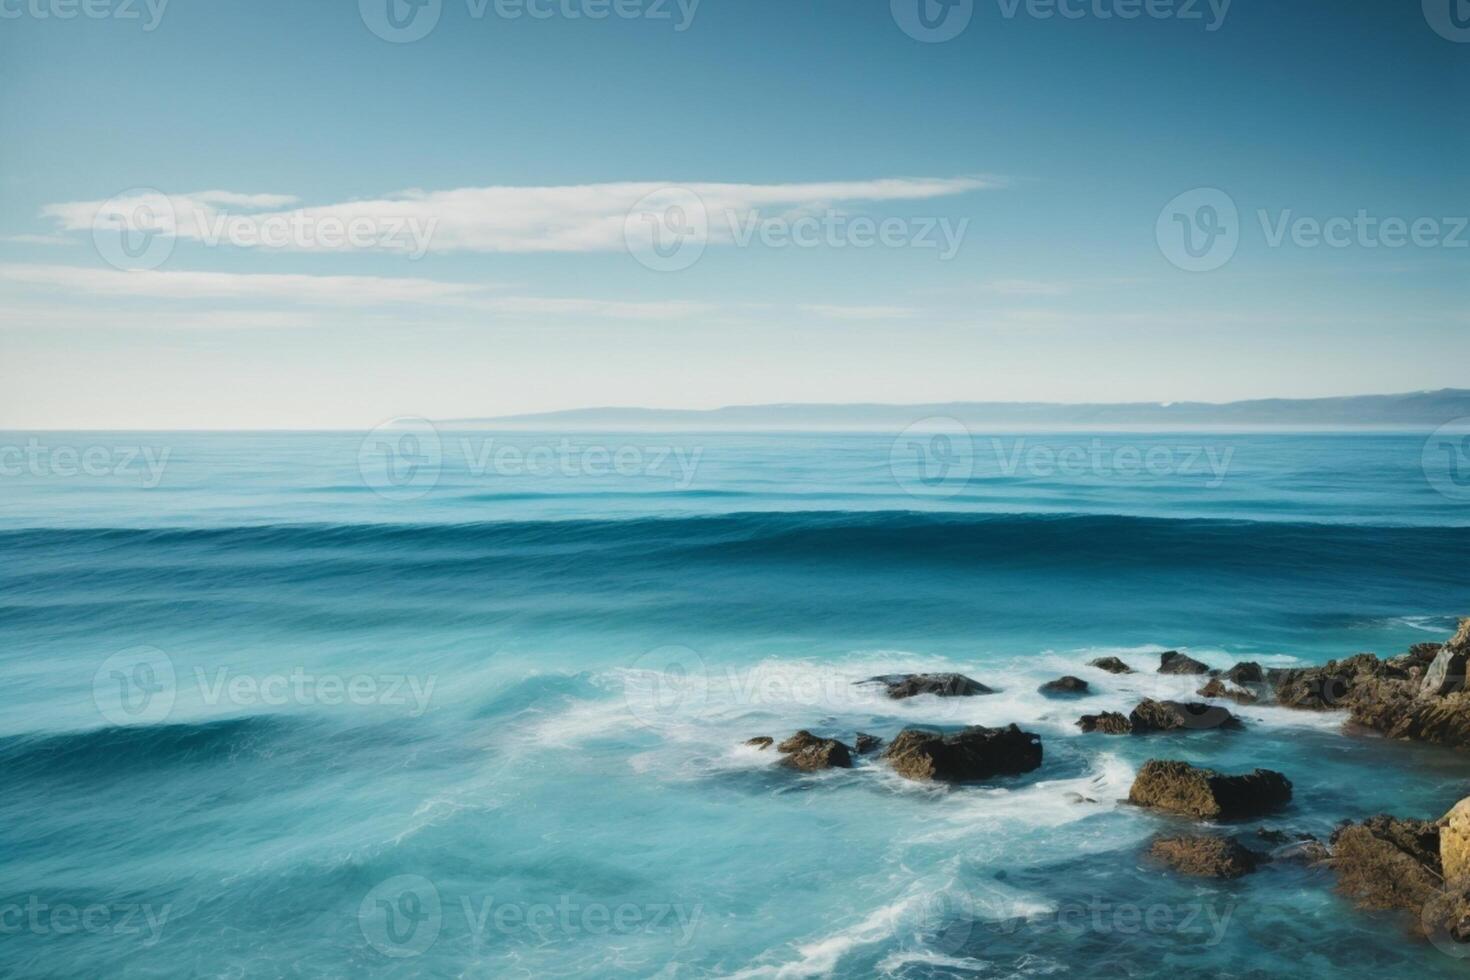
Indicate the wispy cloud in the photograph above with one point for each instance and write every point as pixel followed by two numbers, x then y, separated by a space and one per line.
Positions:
pixel 570 218
pixel 860 312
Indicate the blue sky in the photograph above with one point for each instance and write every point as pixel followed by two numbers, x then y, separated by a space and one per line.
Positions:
pixel 1047 149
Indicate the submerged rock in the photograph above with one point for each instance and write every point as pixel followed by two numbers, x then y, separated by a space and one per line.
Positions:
pixel 809 753
pixel 1388 863
pixel 865 743
pixel 1206 855
pixel 1174 662
pixel 943 685
pixel 1111 664
pixel 1067 685
pixel 1109 723
pixel 760 741
pixel 1206 794
pixel 974 753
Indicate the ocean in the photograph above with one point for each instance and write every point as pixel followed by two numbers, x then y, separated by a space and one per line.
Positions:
pixel 453 703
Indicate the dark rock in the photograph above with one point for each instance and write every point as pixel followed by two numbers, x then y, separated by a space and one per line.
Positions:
pixel 1246 672
pixel 1207 856
pixel 1229 691
pixel 1175 662
pixel 1206 794
pixel 1388 863
pixel 809 753
pixel 1170 716
pixel 1110 664
pixel 974 753
pixel 1445 918
pixel 1067 685
pixel 943 685
pixel 866 743
pixel 1079 798
pixel 1109 723
pixel 760 741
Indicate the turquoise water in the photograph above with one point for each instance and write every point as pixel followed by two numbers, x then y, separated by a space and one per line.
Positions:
pixel 281 706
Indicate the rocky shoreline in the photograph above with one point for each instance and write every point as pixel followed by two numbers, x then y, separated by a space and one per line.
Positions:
pixel 1384 862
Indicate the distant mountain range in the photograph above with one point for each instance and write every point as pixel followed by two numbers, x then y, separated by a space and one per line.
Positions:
pixel 1419 408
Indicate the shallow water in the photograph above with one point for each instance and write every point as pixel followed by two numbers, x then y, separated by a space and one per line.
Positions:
pixel 276 713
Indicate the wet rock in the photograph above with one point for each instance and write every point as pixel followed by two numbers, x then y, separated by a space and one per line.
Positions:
pixel 1205 794
pixel 974 753
pixel 1065 686
pixel 1206 855
pixel 1170 716
pixel 1079 798
pixel 1388 863
pixel 1228 691
pixel 1246 672
pixel 1296 848
pixel 865 743
pixel 1109 723
pixel 1454 841
pixel 809 753
pixel 760 741
pixel 1175 662
pixel 1330 685
pixel 1397 709
pixel 1110 664
pixel 943 685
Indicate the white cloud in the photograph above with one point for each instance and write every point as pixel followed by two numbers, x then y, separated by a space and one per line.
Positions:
pixel 331 290
pixel 572 218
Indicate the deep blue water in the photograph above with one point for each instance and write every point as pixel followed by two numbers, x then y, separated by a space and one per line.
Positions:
pixel 280 707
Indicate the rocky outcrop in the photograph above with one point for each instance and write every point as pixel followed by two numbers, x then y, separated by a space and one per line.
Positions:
pixel 1454 841
pixel 1110 664
pixel 1446 672
pixel 1206 856
pixel 971 754
pixel 760 741
pixel 1175 662
pixel 1228 691
pixel 1330 685
pixel 865 743
pixel 1388 863
pixel 1205 794
pixel 809 753
pixel 943 685
pixel 1067 686
pixel 1296 848
pixel 1160 716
